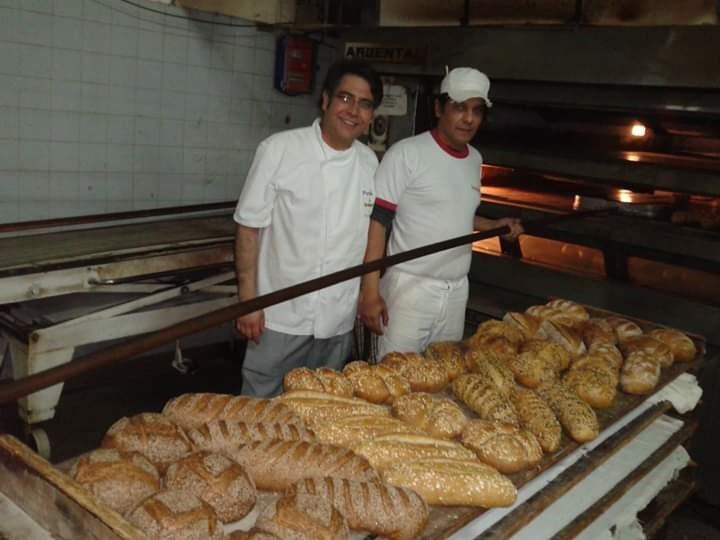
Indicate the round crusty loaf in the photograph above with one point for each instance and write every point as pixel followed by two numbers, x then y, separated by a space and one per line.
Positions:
pixel 654 347
pixel 623 328
pixel 682 347
pixel 118 479
pixel 176 514
pixel 217 480
pixel 505 447
pixel 438 417
pixel 152 434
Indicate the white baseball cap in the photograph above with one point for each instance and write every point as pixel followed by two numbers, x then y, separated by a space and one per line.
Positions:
pixel 465 83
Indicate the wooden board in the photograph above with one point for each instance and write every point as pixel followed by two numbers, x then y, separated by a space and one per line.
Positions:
pixel 55 501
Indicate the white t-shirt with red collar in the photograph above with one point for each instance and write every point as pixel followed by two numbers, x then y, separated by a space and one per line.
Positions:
pixel 434 191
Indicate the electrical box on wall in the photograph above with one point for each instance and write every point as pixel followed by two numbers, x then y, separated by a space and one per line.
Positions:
pixel 294 65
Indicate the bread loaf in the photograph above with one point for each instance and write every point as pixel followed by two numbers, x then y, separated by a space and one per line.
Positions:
pixel 220 435
pixel 454 482
pixel 564 312
pixel 536 416
pixel 215 479
pixel 567 337
pixel 354 430
pixel 194 410
pixel 489 346
pixel 319 380
pixel 422 374
pixel 450 355
pixel 317 407
pixel 396 513
pixel 274 465
pixel 623 328
pixel 594 385
pixel 497 374
pixel 576 416
pixel 151 434
pixel 640 373
pixel 527 324
pixel 552 354
pixel 597 361
pixel 284 520
pixel 504 447
pixel 438 417
pixel 610 354
pixel 387 450
pixel 493 327
pixel 178 515
pixel 375 383
pixel 682 347
pixel 598 331
pixel 655 348
pixel 529 369
pixel 484 399
pixel 118 479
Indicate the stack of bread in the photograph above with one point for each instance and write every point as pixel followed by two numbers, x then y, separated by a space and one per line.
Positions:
pixel 369 448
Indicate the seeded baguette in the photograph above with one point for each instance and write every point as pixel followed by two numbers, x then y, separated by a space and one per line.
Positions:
pixel 222 435
pixel 576 416
pixel 536 416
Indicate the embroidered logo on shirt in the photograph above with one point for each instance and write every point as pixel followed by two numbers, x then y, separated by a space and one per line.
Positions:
pixel 368 198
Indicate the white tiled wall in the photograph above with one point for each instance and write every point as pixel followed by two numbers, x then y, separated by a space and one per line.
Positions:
pixel 107 107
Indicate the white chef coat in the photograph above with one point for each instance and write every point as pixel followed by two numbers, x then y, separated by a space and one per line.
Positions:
pixel 312 205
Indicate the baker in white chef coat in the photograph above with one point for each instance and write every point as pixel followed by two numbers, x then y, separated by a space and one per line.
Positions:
pixel 303 213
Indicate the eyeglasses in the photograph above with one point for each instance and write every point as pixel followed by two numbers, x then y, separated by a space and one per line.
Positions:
pixel 365 105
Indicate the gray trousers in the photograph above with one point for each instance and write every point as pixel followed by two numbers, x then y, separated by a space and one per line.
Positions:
pixel 267 363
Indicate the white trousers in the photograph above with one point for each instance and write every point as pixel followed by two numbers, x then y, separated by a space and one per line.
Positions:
pixel 421 310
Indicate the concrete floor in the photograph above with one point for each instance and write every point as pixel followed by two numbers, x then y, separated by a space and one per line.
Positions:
pixel 91 404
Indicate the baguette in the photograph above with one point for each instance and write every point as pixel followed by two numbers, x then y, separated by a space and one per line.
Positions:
pixel 640 373
pixel 653 347
pixel 194 410
pixel 317 407
pixel 395 513
pixel 682 347
pixel 454 482
pixel 450 355
pixel 438 417
pixel 484 399
pixel 320 380
pixel 354 430
pixel 274 465
pixel 220 435
pixel 576 416
pixel 387 450
pixel 422 374
pixel 536 416
pixel 217 480
pixel 505 447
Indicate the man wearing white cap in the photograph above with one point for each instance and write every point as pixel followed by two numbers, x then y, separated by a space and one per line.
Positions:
pixel 428 188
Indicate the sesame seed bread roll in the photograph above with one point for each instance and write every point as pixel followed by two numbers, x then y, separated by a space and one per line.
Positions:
pixel 610 354
pixel 654 347
pixel 450 355
pixel 497 374
pixel 525 323
pixel 375 383
pixel 387 450
pixel 194 410
pixel 529 369
pixel 682 347
pixel 274 465
pixel 284 520
pixel 220 435
pixel 552 354
pixel 640 373
pixel 175 514
pixel 422 374
pixel 454 482
pixel 217 480
pixel 319 380
pixel 437 417
pixel 484 399
pixel 595 385
pixel 576 416
pixel 392 512
pixel 354 430
pixel 504 447
pixel 536 416
pixel 118 479
pixel 152 434
pixel 624 328
pixel 316 408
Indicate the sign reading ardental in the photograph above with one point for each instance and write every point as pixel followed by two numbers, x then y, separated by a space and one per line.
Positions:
pixel 388 53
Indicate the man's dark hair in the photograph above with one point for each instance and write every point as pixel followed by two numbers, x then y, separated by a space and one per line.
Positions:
pixel 359 68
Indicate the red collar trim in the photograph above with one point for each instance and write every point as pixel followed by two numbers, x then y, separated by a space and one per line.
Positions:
pixel 445 146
